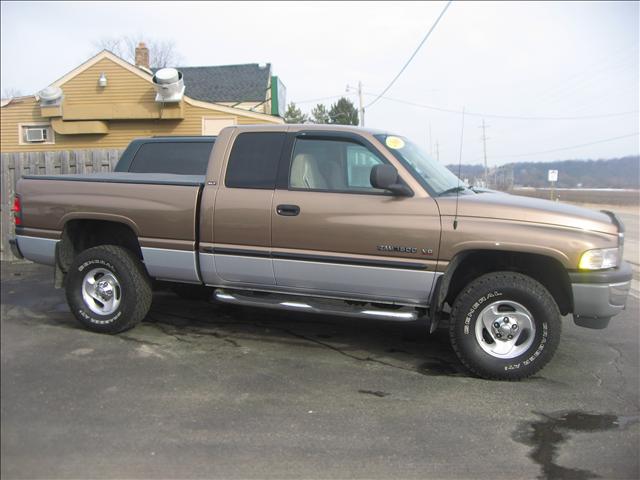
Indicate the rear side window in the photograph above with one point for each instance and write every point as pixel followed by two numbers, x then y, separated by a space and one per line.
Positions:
pixel 254 158
pixel 182 158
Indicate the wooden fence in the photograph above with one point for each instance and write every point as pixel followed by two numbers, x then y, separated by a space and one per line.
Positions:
pixel 16 164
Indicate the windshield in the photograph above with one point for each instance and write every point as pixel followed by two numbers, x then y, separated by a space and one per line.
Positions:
pixel 436 178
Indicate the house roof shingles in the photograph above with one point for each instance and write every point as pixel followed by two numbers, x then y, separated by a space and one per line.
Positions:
pixel 227 83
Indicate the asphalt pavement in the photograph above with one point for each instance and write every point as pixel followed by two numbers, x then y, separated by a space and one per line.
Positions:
pixel 200 390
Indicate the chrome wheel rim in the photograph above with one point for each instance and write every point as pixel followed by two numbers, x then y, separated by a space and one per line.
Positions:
pixel 101 291
pixel 505 329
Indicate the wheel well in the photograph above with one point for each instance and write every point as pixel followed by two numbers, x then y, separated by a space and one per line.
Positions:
pixel 79 235
pixel 546 270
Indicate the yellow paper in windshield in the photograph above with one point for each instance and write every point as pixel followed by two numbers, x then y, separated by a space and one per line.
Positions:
pixel 395 142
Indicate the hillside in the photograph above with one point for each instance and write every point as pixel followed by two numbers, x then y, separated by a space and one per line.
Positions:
pixel 613 173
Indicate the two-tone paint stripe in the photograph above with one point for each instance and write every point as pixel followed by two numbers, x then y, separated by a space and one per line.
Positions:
pixel 356 261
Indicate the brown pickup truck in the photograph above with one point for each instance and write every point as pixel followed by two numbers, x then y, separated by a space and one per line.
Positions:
pixel 334 220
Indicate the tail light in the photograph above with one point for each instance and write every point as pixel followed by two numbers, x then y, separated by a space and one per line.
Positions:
pixel 17 210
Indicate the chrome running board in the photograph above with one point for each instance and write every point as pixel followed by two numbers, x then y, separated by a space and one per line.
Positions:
pixel 316 305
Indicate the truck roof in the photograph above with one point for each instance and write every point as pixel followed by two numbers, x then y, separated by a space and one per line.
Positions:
pixel 293 127
pixel 179 138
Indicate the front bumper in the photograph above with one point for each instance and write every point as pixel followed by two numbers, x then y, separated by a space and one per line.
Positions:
pixel 599 295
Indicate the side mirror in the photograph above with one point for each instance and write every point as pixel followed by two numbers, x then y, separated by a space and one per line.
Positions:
pixel 385 177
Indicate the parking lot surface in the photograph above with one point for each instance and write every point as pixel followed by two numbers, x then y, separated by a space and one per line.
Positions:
pixel 201 390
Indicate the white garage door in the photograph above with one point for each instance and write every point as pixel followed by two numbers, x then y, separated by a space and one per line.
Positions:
pixel 213 125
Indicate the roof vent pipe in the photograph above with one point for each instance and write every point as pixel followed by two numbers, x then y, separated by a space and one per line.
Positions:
pixel 50 96
pixel 169 85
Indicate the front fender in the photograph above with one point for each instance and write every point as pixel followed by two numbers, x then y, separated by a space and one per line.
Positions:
pixel 564 244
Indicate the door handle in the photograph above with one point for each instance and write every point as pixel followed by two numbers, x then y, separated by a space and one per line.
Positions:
pixel 288 210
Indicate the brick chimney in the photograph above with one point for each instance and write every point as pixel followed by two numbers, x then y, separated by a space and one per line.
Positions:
pixel 142 55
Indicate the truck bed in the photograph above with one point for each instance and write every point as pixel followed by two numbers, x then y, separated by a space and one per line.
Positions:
pixel 159 208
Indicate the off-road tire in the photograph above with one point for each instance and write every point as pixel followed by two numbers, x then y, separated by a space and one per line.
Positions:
pixel 504 286
pixel 134 283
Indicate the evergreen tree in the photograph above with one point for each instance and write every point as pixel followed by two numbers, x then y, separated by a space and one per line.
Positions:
pixel 320 114
pixel 343 112
pixel 294 114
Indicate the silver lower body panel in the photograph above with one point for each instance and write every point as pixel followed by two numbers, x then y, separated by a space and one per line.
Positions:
pixel 39 250
pixel 380 282
pixel 237 268
pixel 294 277
pixel 171 265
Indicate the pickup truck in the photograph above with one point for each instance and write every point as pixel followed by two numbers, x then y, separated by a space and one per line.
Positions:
pixel 335 220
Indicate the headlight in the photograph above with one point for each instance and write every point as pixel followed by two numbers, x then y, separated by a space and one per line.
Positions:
pixel 599 259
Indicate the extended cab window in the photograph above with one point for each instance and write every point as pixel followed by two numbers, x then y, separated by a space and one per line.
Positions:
pixel 254 158
pixel 183 158
pixel 332 165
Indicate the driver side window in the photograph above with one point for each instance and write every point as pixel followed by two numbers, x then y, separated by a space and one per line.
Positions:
pixel 333 166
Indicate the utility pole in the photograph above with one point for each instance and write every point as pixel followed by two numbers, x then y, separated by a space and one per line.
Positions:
pixel 437 151
pixel 484 144
pixel 361 109
pixel 430 142
pixel 360 103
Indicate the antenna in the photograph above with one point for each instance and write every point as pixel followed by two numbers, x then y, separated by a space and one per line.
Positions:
pixel 455 218
pixel 484 143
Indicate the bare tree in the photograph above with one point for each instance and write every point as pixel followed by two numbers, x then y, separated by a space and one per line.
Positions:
pixel 162 53
pixel 11 92
pixel 114 45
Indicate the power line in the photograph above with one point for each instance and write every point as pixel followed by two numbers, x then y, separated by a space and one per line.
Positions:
pixel 568 85
pixel 481 114
pixel 568 148
pixel 413 54
pixel 322 98
pixel 508 117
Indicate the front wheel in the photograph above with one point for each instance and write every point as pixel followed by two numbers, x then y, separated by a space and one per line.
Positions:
pixel 505 326
pixel 108 289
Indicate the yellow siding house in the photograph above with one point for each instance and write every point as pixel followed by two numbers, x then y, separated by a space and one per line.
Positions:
pixel 106 102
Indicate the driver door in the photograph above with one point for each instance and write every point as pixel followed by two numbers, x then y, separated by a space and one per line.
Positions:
pixel 334 234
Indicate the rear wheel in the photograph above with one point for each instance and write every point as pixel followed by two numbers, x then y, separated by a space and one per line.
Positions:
pixel 108 289
pixel 505 325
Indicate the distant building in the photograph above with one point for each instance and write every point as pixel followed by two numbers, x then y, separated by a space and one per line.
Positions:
pixel 106 102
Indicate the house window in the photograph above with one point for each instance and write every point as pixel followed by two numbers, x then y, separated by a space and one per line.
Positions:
pixel 36 133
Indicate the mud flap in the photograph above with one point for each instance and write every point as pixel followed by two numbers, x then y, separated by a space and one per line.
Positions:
pixel 58 274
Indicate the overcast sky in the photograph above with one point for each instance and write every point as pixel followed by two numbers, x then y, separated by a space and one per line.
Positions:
pixel 530 59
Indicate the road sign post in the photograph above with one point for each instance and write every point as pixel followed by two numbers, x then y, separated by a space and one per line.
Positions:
pixel 553 178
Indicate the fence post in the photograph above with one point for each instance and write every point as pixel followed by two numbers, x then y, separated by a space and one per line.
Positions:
pixel 113 156
pixel 8 173
pixel 65 166
pixel 80 161
pixel 49 163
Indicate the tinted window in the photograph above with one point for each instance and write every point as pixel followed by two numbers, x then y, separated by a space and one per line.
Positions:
pixel 183 158
pixel 254 158
pixel 332 165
